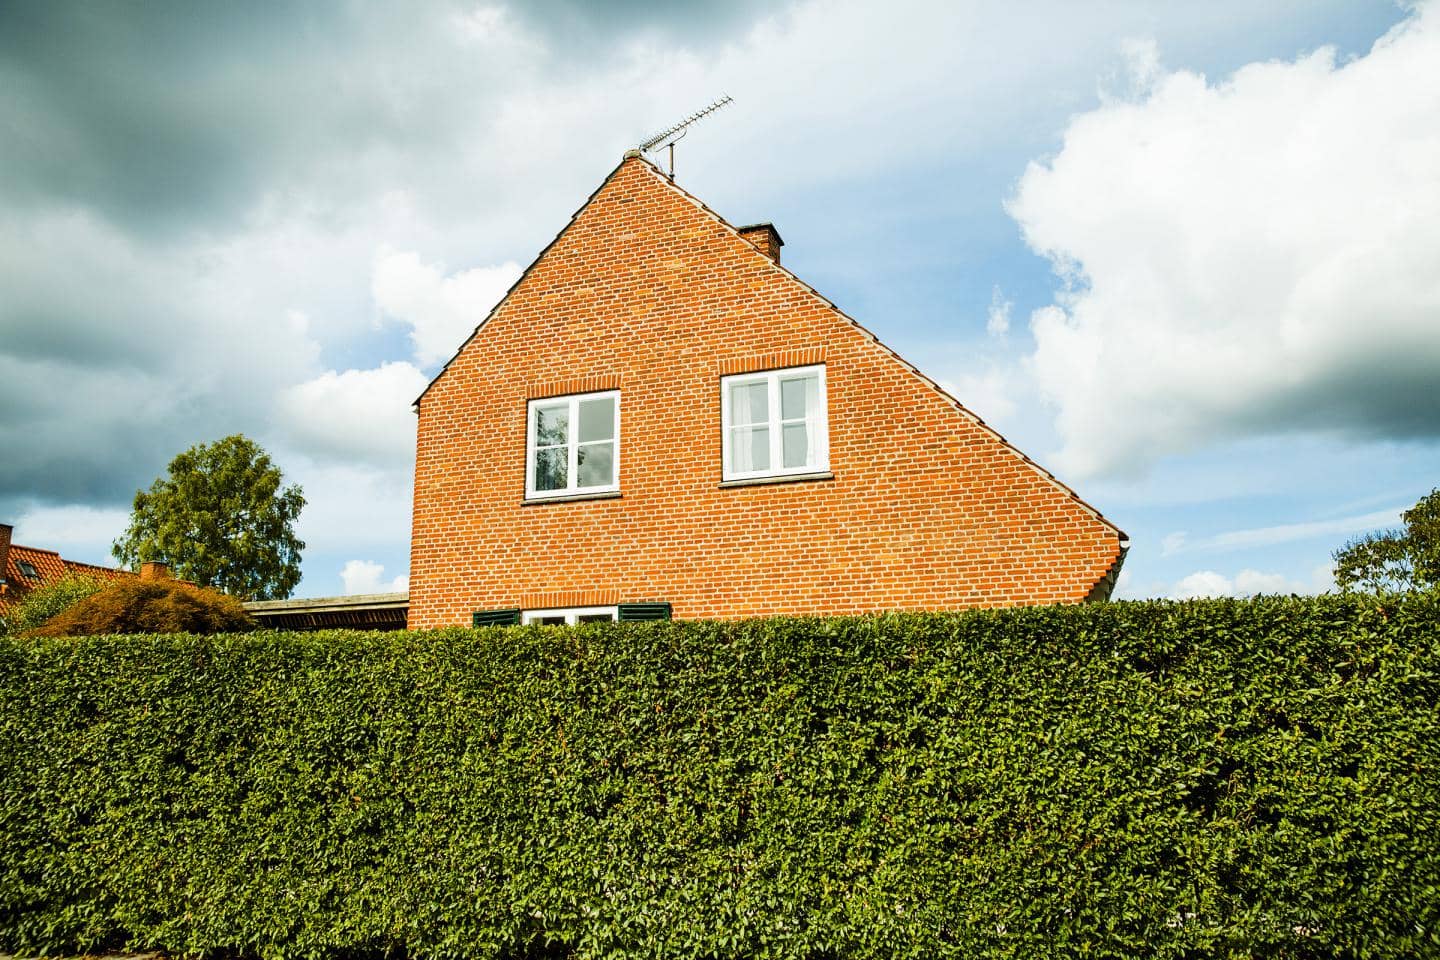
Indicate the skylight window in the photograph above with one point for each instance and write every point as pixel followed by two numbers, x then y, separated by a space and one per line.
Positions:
pixel 27 569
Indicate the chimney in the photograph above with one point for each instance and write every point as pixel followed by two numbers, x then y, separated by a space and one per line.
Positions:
pixel 5 531
pixel 765 238
pixel 154 570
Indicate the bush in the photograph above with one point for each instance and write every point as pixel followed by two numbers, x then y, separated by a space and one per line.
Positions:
pixel 148 606
pixel 49 599
pixel 1171 780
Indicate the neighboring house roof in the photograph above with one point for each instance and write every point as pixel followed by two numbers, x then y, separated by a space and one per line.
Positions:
pixel 47 566
pixel 636 156
pixel 372 611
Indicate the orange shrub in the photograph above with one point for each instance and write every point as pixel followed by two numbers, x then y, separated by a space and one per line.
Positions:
pixel 149 606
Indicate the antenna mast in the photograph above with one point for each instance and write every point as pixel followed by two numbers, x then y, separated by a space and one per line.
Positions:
pixel 671 135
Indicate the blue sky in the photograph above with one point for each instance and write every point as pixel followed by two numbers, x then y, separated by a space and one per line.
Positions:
pixel 1180 254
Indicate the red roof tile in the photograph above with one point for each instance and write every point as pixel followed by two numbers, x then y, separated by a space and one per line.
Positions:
pixel 49 567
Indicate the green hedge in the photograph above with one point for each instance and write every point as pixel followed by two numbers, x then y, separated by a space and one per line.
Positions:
pixel 1205 779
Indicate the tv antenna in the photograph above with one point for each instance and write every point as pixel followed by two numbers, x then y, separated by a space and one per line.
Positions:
pixel 668 137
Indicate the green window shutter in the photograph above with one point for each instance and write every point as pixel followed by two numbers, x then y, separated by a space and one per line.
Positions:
pixel 642 611
pixel 495 618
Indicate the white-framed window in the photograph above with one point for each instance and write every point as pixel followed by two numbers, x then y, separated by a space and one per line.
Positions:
pixel 569 616
pixel 774 423
pixel 572 445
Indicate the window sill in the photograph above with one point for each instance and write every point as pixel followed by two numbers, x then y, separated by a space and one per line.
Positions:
pixel 779 478
pixel 570 497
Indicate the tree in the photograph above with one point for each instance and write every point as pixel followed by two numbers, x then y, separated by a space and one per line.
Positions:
pixel 1407 559
pixel 220 519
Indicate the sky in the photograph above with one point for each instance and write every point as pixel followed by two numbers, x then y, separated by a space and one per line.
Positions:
pixel 1183 255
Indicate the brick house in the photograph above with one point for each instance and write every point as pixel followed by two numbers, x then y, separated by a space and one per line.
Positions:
pixel 660 419
pixel 23 569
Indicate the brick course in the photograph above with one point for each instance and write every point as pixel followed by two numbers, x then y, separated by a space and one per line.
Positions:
pixel 649 292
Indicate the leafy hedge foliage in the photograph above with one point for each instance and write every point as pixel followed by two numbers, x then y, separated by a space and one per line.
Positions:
pixel 1203 779
pixel 148 606
pixel 49 599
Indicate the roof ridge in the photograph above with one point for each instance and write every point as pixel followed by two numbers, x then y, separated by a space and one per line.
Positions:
pixel 21 546
pixel 86 563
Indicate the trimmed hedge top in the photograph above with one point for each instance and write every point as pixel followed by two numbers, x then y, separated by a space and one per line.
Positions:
pixel 1203 779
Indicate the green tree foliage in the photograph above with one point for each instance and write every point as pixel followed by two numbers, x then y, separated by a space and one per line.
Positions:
pixel 49 599
pixel 222 520
pixel 1406 559
pixel 1256 779
pixel 148 606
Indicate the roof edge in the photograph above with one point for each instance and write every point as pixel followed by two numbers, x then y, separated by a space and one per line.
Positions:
pixel 924 378
pixel 635 155
pixel 629 155
pixel 357 601
pixel 1105 586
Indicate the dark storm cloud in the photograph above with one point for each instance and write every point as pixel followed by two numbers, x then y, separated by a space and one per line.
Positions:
pixel 145 112
pixel 577 25
pixel 160 115
pixel 88 437
pixel 1379 392
pixel 145 151
pixel 171 115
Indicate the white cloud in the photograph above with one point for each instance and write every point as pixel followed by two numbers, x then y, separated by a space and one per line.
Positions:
pixel 1256 537
pixel 77 532
pixel 989 395
pixel 1140 57
pixel 997 320
pixel 1246 257
pixel 1203 583
pixel 1249 583
pixel 440 310
pixel 355 415
pixel 353 508
pixel 363 576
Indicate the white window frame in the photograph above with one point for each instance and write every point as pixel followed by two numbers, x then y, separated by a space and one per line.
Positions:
pixel 572 472
pixel 572 615
pixel 817 422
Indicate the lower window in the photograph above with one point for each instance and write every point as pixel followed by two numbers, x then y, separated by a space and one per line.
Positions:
pixel 569 616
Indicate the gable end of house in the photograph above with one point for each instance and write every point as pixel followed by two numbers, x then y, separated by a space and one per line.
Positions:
pixel 649 294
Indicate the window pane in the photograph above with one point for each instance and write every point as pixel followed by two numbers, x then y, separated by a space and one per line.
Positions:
pixel 550 621
pixel 749 403
pixel 552 424
pixel 596 617
pixel 597 419
pixel 797 396
pixel 596 464
pixel 749 449
pixel 796 441
pixel 552 468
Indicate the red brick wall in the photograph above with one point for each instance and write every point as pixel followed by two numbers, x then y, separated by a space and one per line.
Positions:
pixel 648 291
